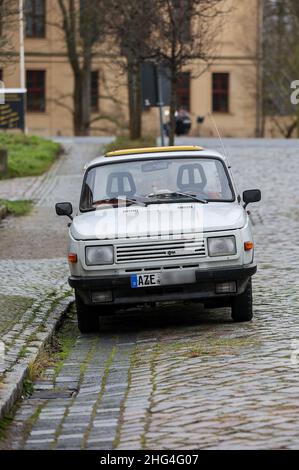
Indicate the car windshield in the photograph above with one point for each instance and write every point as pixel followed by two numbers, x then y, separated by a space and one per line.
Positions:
pixel 156 180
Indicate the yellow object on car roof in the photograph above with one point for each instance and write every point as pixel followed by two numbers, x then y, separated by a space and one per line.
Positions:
pixel 186 148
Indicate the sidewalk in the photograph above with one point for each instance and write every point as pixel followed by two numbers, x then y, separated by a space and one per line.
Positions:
pixel 14 189
pixel 34 293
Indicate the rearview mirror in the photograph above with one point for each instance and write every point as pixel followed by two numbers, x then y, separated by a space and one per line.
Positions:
pixel 65 209
pixel 252 195
pixel 155 166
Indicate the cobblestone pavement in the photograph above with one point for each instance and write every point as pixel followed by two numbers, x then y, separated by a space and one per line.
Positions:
pixel 179 377
pixel 33 268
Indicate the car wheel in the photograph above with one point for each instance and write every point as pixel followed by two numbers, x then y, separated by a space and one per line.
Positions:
pixel 88 319
pixel 242 305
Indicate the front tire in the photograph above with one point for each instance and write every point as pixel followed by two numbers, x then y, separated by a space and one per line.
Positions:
pixel 88 320
pixel 242 305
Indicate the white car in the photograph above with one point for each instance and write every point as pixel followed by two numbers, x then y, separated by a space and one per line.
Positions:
pixel 158 225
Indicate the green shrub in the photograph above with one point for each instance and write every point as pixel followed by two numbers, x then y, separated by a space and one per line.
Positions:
pixel 123 142
pixel 28 155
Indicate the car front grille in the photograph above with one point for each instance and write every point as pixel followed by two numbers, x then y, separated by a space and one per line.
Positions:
pixel 164 250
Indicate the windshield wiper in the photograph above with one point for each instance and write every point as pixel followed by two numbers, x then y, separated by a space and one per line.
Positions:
pixel 191 196
pixel 116 200
pixel 178 193
pixel 133 200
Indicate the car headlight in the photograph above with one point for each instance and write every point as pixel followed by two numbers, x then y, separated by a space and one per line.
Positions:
pixel 96 255
pixel 222 246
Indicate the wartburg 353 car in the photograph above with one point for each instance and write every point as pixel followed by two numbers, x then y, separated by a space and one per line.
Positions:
pixel 156 225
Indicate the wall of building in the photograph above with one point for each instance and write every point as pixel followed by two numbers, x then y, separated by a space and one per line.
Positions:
pixel 235 54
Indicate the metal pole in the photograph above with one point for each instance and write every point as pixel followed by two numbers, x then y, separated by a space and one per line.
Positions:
pixel 22 47
pixel 160 104
pixel 162 125
pixel 22 57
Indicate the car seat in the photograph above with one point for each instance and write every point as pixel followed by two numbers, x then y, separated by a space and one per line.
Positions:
pixel 191 177
pixel 120 184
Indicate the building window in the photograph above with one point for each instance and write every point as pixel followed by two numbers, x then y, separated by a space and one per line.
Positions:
pixel 183 91
pixel 95 91
pixel 220 92
pixel 36 90
pixel 35 15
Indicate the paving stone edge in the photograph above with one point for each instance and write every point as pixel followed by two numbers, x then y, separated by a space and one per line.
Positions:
pixel 15 379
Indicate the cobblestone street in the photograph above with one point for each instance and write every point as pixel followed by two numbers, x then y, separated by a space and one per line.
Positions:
pixel 33 267
pixel 174 377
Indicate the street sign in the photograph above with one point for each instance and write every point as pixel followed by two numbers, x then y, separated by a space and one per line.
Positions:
pixel 155 85
pixel 12 108
pixel 149 85
pixel 165 84
pixel 155 89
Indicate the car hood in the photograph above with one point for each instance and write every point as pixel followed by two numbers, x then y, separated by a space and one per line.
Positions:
pixel 157 220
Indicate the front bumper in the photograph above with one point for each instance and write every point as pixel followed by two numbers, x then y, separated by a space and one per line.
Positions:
pixel 203 289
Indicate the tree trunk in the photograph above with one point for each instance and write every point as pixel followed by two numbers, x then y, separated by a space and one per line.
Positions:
pixel 86 103
pixel 172 110
pixel 82 103
pixel 138 102
pixel 290 129
pixel 77 98
pixel 86 91
pixel 134 95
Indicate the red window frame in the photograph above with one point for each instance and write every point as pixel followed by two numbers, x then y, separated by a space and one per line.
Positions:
pixel 220 92
pixel 36 91
pixel 35 10
pixel 183 91
pixel 94 90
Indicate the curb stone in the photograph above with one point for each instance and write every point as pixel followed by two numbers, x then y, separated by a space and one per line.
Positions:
pixel 13 381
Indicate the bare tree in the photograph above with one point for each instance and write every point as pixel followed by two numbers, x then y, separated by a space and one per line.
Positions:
pixel 8 18
pixel 173 33
pixel 280 63
pixel 83 26
pixel 186 33
pixel 132 24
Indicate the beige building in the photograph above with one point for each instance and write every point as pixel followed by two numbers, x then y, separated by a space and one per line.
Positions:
pixel 226 92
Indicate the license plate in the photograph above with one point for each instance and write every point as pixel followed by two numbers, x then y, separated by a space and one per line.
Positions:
pixel 145 280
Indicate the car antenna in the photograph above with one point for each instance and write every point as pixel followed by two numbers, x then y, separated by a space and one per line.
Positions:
pixel 222 144
pixel 219 136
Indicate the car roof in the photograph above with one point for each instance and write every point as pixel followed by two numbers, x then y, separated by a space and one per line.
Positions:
pixel 153 152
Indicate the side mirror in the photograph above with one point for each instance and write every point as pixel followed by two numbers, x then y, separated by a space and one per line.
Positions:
pixel 65 209
pixel 252 195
